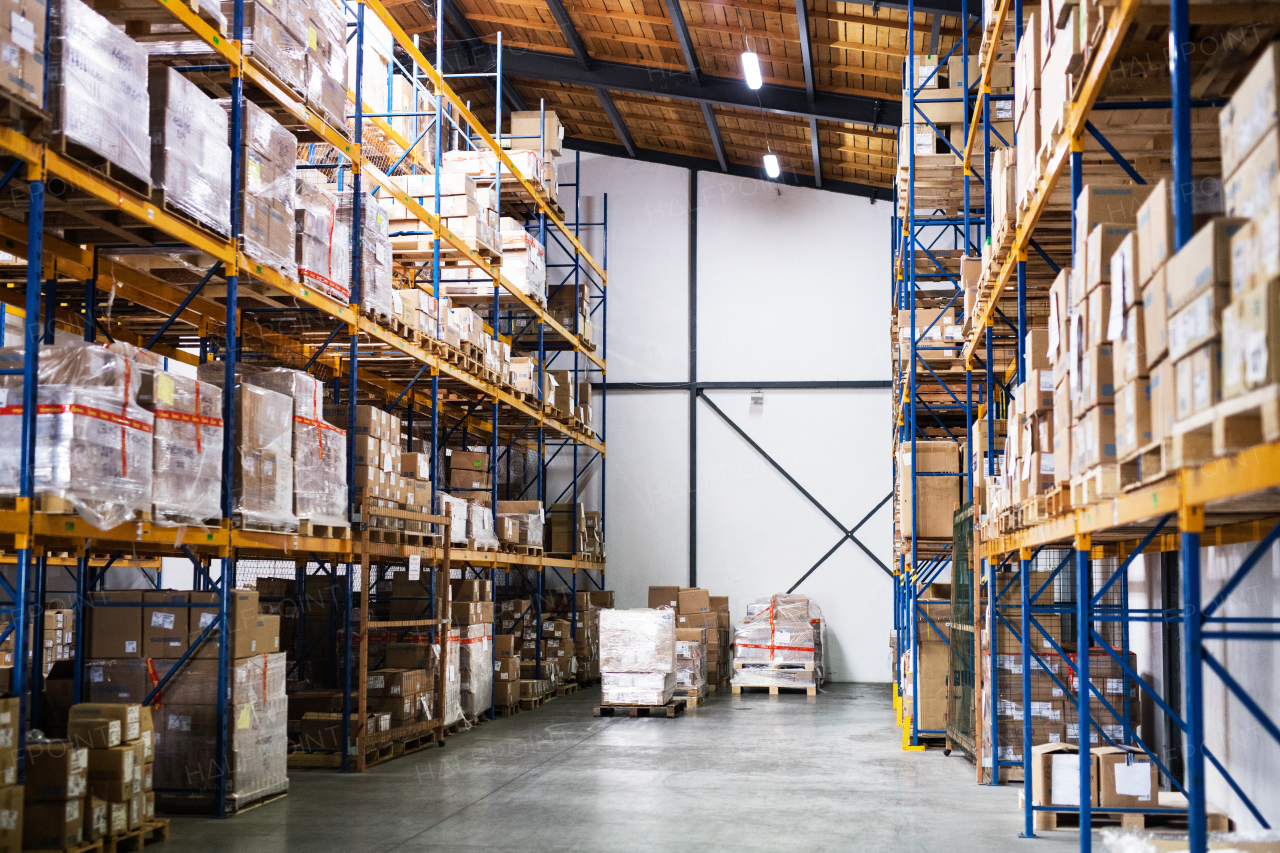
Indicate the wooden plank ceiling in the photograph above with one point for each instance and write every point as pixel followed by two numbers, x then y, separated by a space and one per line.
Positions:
pixel 855 50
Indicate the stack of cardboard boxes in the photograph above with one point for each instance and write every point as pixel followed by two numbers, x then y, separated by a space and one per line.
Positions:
pixel 391 486
pixel 56 787
pixel 779 644
pixel 473 617
pixel 637 656
pixel 506 670
pixel 701 619
pixel 925 682
pixel 563 520
pixel 11 793
pixel 121 769
pixel 398 697
pixel 59 639
pixel 1121 778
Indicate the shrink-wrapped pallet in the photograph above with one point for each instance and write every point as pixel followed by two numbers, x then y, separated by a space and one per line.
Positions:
pixel 777 630
pixel 186 447
pixel 637 688
pixel 267 206
pixel 326 60
pixel 275 35
pixel 375 254
pixel 475 668
pixel 319 447
pixel 691 664
pixel 480 525
pixel 453 679
pixel 262 462
pixel 323 242
pixel 93 442
pixel 456 510
pixel 190 155
pixel 98 87
pixel 639 640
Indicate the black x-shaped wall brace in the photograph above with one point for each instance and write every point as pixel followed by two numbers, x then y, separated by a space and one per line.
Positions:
pixel 847 534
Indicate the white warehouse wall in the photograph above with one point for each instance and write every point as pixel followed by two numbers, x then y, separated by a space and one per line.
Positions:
pixel 793 284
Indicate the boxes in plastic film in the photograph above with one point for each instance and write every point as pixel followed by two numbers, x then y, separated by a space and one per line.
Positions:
pixel 274 35
pixel 456 510
pixel 638 640
pixel 780 632
pixel 475 668
pixel 325 28
pixel 190 157
pixel 319 447
pixel 93 441
pixel 480 525
pixel 637 688
pixel 691 664
pixel 268 203
pixel 375 254
pixel 453 678
pixel 98 87
pixel 323 243
pixel 257 736
pixel 527 516
pixel 186 446
pixel 22 50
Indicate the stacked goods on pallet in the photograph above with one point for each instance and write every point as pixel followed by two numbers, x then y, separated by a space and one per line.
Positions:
pixel 586 637
pixel 524 260
pixel 272 39
pixel 478 230
pixel 323 243
pixel 563 520
pixel 520 523
pixel 413 237
pixel 325 26
pixel 506 671
pixel 58 640
pixel 262 472
pixel 698 624
pixel 779 644
pixel 691 664
pixel 98 88
pixel 469 475
pixel 55 788
pixel 22 43
pixel 637 656
pixel 472 614
pixel 186 450
pixel 319 447
pixel 93 441
pixel 267 191
pixel 11 793
pixel 935 497
pixel 378 50
pixel 190 156
pixel 455 509
pixel 419 310
pixel 119 740
pixel 925 677
pixel 375 253
pixel 452 708
pixel 397 697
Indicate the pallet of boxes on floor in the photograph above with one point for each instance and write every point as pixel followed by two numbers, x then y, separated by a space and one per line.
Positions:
pixel 778 646
pixel 702 639
pixel 638 663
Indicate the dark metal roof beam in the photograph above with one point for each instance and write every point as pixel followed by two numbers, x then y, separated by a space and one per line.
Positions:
pixel 615 118
pixel 570 33
pixel 713 128
pixel 700 164
pixel 817 154
pixel 718 91
pixel 686 43
pixel 806 47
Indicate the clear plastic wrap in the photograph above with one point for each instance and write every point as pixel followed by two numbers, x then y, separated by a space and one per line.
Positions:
pixel 480 525
pixel 257 731
pixel 777 630
pixel 93 440
pixel 268 185
pixel 768 676
pixel 319 447
pixel 530 524
pixel 524 260
pixel 190 157
pixel 186 447
pixel 375 253
pixel 637 688
pixel 275 35
pixel 453 679
pixel 326 61
pixel 323 243
pixel 638 640
pixel 691 664
pixel 456 510
pixel 98 87
pixel 262 479
pixel 475 668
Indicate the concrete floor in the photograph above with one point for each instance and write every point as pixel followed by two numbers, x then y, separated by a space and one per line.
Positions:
pixel 741 773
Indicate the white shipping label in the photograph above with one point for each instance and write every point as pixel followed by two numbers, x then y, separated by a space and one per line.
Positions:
pixel 96 674
pixel 377 682
pixel 9 819
pixel 23 32
pixel 415 567
pixel 1115 685
pixel 130 647
pixel 162 620
pixel 1134 780
pixel 1065 787
pixel 206 619
pixel 10 55
pixel 179 723
pixel 1255 357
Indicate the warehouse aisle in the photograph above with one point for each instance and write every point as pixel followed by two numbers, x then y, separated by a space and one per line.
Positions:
pixel 741 774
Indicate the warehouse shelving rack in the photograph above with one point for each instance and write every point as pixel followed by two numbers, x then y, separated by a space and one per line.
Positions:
pixel 1232 499
pixel 173 319
pixel 926 404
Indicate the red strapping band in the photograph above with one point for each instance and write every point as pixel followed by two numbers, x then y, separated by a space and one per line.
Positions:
pixel 773 647
pixel 154 678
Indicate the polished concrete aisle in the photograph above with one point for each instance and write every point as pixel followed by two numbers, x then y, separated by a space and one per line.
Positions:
pixel 739 774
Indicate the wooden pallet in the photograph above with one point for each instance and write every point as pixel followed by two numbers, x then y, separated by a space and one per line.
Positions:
pixel 1147 464
pixel 672 709
pixel 323 531
pixel 1099 483
pixel 1217 820
pixel 1034 510
pixel 300 760
pixel 1058 500
pixel 240 523
pixel 775 689
pixel 529 703
pixel 527 550
pixel 506 710
pixel 84 847
pixel 692 697
pixel 105 168
pixel 567 689
pixel 23 116
pixel 152 831
pixel 473 545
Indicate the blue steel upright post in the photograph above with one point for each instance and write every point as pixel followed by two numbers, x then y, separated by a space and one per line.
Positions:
pixel 1083 545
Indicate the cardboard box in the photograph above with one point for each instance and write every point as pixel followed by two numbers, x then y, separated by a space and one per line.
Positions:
pixel 1251 340
pixel 53 825
pixel 111 773
pixel 1097 384
pixel 1131 362
pixel 1203 263
pixel 1093 439
pixel 56 770
pixel 693 600
pixel 1133 417
pixel 1155 316
pixel 1198 321
pixel 1252 188
pixel 1164 400
pixel 268 633
pixel 471 590
pixel 1199 380
pixel 935 496
pixel 1127 778
pixel 1055 775
pixel 115 632
pixel 129 717
pixel 164 624
pixel 94 732
pixel 1103 241
pixel 95 819
pixel 243 615
pixel 664 596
